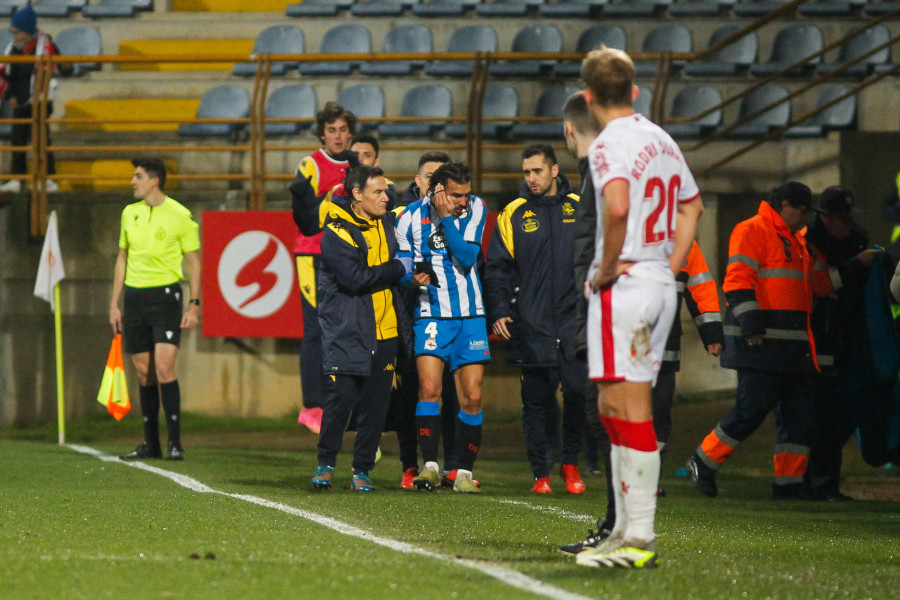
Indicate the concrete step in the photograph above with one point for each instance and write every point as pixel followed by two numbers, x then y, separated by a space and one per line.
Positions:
pixel 198 48
pixel 125 108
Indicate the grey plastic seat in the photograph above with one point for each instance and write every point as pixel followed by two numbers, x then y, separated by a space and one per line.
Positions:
pixel 296 101
pixel 58 9
pixel 80 41
pixel 402 39
pixel 699 8
pixel 428 100
pixel 277 39
pixel 859 45
pixel 443 8
pixel 777 113
pixel 340 39
pixel 549 104
pixel 106 9
pixel 841 115
pixel 664 38
pixel 506 8
pixel 364 101
pixel 317 8
pixel 222 102
pixel 875 8
pixel 830 8
pixel 730 60
pixel 534 38
pixel 8 7
pixel 693 100
pixel 379 8
pixel 756 8
pixel 500 100
pixel 471 38
pixel 635 8
pixel 792 44
pixel 572 8
pixel 611 35
pixel 644 101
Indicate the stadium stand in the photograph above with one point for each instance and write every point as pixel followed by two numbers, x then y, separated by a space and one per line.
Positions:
pixel 644 101
pixel 379 8
pixel 104 9
pixel 730 60
pixel 401 39
pixel 663 38
pixel 339 40
pixel 858 46
pixel 471 38
pixel 317 8
pixel 297 101
pixel 549 104
pixel 180 47
pixel 792 44
pixel 222 102
pixel 772 100
pixel 7 8
pixel 693 100
pixel 877 8
pixel 829 8
pixel 631 9
pixel 756 8
pixel 59 9
pixel 427 100
pixel 277 39
pixel 80 41
pixel 699 8
pixel 506 8
pixel 841 115
pixel 611 35
pixel 500 100
pixel 129 108
pixel 443 8
pixel 572 8
pixel 365 101
pixel 534 38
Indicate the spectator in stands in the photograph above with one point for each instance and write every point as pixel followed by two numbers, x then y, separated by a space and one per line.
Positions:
pixel 850 384
pixel 361 321
pixel 316 175
pixel 531 296
pixel 17 81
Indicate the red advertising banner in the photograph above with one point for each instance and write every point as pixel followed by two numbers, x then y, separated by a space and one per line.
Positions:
pixel 250 277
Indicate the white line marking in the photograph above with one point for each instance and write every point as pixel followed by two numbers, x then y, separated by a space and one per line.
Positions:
pixel 560 512
pixel 508 576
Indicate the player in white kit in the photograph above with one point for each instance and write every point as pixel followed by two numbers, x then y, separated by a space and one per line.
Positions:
pixel 648 205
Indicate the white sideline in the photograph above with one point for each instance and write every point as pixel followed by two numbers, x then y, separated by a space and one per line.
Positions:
pixel 507 576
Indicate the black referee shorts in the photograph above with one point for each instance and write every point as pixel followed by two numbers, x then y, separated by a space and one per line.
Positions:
pixel 152 316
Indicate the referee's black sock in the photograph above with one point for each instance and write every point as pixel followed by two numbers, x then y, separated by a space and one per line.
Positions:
pixel 149 395
pixel 468 438
pixel 171 401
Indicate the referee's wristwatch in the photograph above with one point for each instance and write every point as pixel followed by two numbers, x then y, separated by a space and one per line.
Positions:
pixel 195 301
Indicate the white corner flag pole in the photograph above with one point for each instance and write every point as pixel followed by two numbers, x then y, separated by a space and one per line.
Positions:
pixel 60 389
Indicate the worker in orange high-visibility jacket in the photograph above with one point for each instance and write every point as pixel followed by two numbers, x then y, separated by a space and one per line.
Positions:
pixel 767 340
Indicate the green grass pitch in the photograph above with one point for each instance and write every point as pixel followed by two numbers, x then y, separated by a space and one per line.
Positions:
pixel 73 526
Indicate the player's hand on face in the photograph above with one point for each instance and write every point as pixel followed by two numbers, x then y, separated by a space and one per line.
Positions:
pixel 441 201
pixel 421 279
pixel 500 328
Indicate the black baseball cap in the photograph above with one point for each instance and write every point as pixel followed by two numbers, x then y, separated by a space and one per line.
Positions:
pixel 838 200
pixel 798 194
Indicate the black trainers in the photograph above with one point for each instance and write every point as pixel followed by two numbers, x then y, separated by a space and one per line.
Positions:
pixel 591 541
pixel 144 450
pixel 791 491
pixel 704 477
pixel 175 452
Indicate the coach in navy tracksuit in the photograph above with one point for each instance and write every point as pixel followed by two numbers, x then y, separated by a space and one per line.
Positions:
pixel 532 248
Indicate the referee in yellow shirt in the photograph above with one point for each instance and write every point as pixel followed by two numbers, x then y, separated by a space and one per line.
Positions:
pixel 157 235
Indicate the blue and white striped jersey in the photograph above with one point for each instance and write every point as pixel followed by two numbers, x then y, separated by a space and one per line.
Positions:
pixel 421 237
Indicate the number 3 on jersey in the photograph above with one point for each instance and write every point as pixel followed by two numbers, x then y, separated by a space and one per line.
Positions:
pixel 665 198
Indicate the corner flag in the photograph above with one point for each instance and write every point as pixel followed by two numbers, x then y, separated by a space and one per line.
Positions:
pixel 51 270
pixel 113 392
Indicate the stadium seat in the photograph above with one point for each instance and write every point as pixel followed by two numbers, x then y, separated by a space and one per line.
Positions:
pixel 699 8
pixel 792 44
pixel 471 38
pixel 730 60
pixel 756 8
pixel 296 101
pixel 104 9
pixel 80 41
pixel 664 38
pixel 572 8
pixel 340 39
pixel 58 9
pixel 635 8
pixel 830 8
pixel 841 115
pixel 277 39
pixel 611 35
pixel 506 8
pixel 317 8
pixel 8 7
pixel 693 100
pixel 859 45
pixel 379 8
pixel 875 8
pixel 364 101
pixel 772 100
pixel 549 104
pixel 443 8
pixel 500 100
pixel 644 101
pixel 428 100
pixel 401 39
pixel 534 38
pixel 222 102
